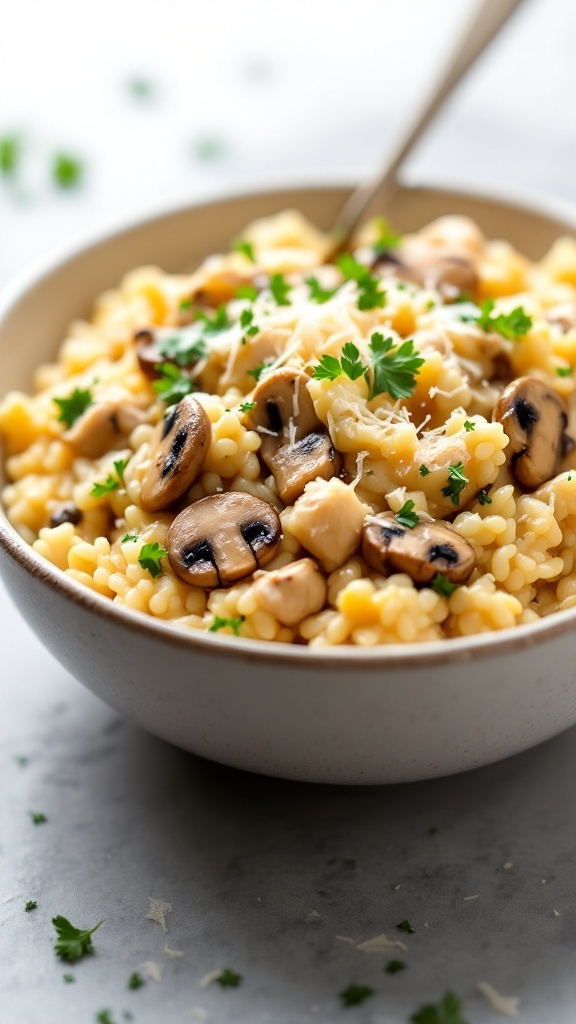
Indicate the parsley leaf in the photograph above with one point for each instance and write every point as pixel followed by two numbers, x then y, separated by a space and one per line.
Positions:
pixel 329 368
pixel 246 406
pixel 72 943
pixel 405 926
pixel 172 386
pixel 406 517
pixel 184 347
pixel 447 1011
pixel 30 905
pixel 423 471
pixel 72 407
pixel 38 818
pixel 247 321
pixel 150 558
pixel 111 483
pixel 564 371
pixel 483 497
pixel 247 291
pixel 208 147
pixel 67 170
pixel 442 585
pixel 229 978
pixel 135 980
pixel 68 978
pixel 234 624
pixel 10 154
pixel 394 369
pixel 354 995
pixel 280 290
pixel 257 371
pixel 104 1017
pixel 469 426
pixel 352 365
pixel 393 966
pixel 511 326
pixel 129 536
pixel 317 292
pixel 457 481
pixel 215 323
pixel 369 295
pixel 387 239
pixel 245 247
pixel 141 88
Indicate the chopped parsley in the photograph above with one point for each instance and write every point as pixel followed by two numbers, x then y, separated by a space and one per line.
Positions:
pixel 208 147
pixel 135 980
pixel 172 385
pixel 129 536
pixel 370 295
pixel 72 943
pixel 280 290
pixel 215 323
pixel 511 326
pixel 38 818
pixel 30 905
pixel 406 517
pixel 387 239
pixel 564 371
pixel 394 966
pixel 317 292
pixel 247 322
pixel 112 483
pixel 393 369
pixel 442 585
pixel 185 304
pixel 246 248
pixel 234 623
pixel 68 978
pixel 247 291
pixel 184 347
pixel 423 471
pixel 354 995
pixel 72 407
pixel 22 760
pixel 104 1017
pixel 257 371
pixel 447 1011
pixel 405 926
pixel 229 978
pixel 141 88
pixel 150 558
pixel 67 170
pixel 457 481
pixel 469 426
pixel 246 406
pixel 10 154
pixel 484 498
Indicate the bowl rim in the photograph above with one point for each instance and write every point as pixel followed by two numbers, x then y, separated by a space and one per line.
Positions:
pixel 339 657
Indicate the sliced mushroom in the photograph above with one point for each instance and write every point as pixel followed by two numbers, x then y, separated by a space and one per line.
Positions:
pixel 295 465
pixel 102 427
pixel 452 274
pixel 148 353
pixel 293 592
pixel 420 552
pixel 563 316
pixel 66 514
pixel 222 539
pixel 284 407
pixel 534 417
pixel 179 446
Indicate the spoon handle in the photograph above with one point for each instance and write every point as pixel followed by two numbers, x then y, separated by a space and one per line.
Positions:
pixel 489 17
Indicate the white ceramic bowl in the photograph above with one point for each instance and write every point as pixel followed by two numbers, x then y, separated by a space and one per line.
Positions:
pixel 390 714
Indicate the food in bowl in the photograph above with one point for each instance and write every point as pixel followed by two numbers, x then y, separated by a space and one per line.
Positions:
pixel 368 451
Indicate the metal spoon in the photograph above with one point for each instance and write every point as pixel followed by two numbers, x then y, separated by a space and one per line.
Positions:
pixel 488 18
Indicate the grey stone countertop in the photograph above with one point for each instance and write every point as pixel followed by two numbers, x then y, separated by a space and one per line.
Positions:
pixel 264 875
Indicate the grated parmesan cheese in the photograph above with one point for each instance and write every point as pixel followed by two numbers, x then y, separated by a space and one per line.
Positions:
pixel 152 971
pixel 507 1006
pixel 173 954
pixel 157 912
pixel 475 897
pixel 312 915
pixel 210 978
pixel 380 944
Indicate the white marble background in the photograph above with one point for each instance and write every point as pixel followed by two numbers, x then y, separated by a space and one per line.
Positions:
pixel 301 89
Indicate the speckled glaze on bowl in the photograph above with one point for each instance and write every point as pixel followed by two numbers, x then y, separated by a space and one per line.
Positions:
pixel 389 714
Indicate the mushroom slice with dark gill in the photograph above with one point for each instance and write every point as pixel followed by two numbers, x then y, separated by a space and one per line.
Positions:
pixel 179 447
pixel 103 427
pixel 222 539
pixel 420 552
pixel 67 513
pixel 452 274
pixel 284 407
pixel 295 465
pixel 534 417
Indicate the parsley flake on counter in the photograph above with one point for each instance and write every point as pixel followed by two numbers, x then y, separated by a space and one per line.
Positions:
pixel 38 818
pixel 111 483
pixel 484 498
pixel 72 407
pixel 423 471
pixel 68 978
pixel 246 248
pixel 72 943
pixel 228 978
pixel 394 966
pixel 135 980
pixel 317 292
pixel 511 326
pixel 22 760
pixel 141 88
pixel 104 1017
pixel 172 385
pixel 354 995
pixel 30 905
pixel 369 294
pixel 564 371
pixel 234 623
pixel 442 585
pixel 406 517
pixel 457 481
pixel 469 426
pixel 247 291
pixel 280 290
pixel 405 926
pixel 150 558
pixel 208 147
pixel 67 170
pixel 246 406
pixel 10 155
pixel 447 1011
pixel 394 369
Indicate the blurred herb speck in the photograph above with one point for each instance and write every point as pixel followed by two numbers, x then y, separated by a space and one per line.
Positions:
pixel 67 170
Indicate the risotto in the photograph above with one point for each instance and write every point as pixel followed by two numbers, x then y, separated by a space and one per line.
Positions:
pixel 373 450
